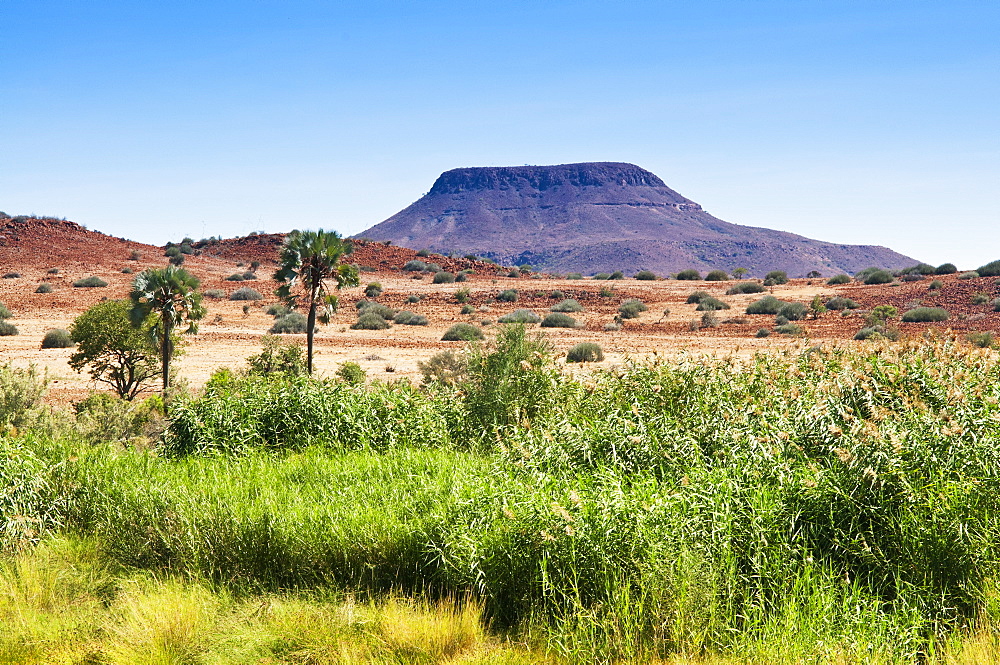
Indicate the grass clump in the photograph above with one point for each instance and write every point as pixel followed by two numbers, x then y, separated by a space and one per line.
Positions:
pixel 520 316
pixel 925 315
pixel 710 304
pixel 792 329
pixel 585 352
pixel 567 306
pixel 246 293
pixel 979 299
pixel 841 303
pixel 57 338
pixel 44 287
pixel 766 305
pixel 559 320
pixel 410 319
pixel 745 287
pixel 508 295
pixel 90 282
pixel 689 274
pixel 373 290
pixel 415 266
pixel 443 277
pixel 467 309
pixel 935 285
pixel 462 332
pixel 290 323
pixel 971 274
pixel 631 308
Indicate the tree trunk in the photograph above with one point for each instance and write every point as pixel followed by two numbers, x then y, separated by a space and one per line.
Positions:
pixel 310 327
pixel 165 354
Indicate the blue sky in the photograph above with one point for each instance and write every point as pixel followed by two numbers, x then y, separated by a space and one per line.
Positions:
pixel 853 122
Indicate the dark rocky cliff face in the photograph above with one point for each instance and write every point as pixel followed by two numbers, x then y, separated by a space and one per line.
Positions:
pixel 601 217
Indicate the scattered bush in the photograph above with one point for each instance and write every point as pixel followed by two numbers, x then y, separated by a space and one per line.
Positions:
pixel 559 320
pixel 369 307
pixel 462 332
pixel 585 352
pixel 415 266
pixel 935 285
pixel 996 305
pixel 235 277
pixel 710 304
pixel 52 271
pixel 763 332
pixel 647 275
pixel 291 323
pixel 445 368
pixel 277 357
pixel 793 329
pixel 574 275
pixel 373 290
pixel 467 309
pixel 689 274
pixel 567 306
pixel 57 338
pixel 612 326
pixel 12 275
pixel 697 297
pixel 972 274
pixel 606 292
pixel 838 279
pixel 44 287
pixel 510 295
pixel 462 295
pixel 840 302
pixel 410 319
pixel 912 277
pixel 745 287
pixel 424 253
pixel 215 294
pixel 556 295
pixel 278 310
pixel 878 277
pixel 991 269
pixel 618 274
pixel 776 277
pixel 946 269
pixel 246 293
pixel 717 276
pixel 7 329
pixel 135 255
pixel 709 320
pixel 432 267
pixel 370 321
pixel 630 309
pixel 126 270
pixel 925 315
pixel 603 276
pixel 443 277
pixel 520 316
pixel 979 299
pixel 793 311
pixel 877 332
pixel 177 260
pixel 351 373
pixel 983 340
pixel 172 252
pixel 766 305
pixel 90 282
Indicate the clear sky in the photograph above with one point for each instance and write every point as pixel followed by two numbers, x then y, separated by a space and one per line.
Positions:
pixel 874 122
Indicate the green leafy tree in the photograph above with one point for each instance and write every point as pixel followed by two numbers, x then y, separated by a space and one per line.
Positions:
pixel 310 260
pixel 169 295
pixel 738 273
pixel 116 352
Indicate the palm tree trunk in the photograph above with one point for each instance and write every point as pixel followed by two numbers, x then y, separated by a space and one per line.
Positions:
pixel 310 326
pixel 165 355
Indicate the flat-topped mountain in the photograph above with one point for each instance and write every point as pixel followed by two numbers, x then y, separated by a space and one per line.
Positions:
pixel 602 217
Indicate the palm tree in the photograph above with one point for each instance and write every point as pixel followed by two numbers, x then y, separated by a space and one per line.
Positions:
pixel 311 259
pixel 169 294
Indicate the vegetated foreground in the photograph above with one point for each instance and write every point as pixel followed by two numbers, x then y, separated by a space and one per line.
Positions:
pixel 824 505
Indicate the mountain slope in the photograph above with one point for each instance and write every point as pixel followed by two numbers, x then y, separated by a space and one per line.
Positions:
pixel 602 216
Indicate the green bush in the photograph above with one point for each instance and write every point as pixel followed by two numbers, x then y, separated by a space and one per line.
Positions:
pixel 443 277
pixel 351 373
pixel 776 277
pixel 370 321
pixel 277 358
pixel 557 295
pixel 559 320
pixel 5 313
pixel 291 323
pixel 709 320
pixel 925 315
pixel 946 269
pixel 839 279
pixel 689 274
pixel 8 329
pixel 793 311
pixel 445 368
pixel 413 298
pixel 991 269
pixel 618 274
pixel 763 332
pixel 410 319
pixel 278 310
pixel 520 316
pixel 841 303
pixel 574 275
pixel 935 285
pixel 745 287
pixel 983 340
pixel 996 304
pixel 646 275
pixel 57 338
pixel 245 293
pixel 971 274
pixel 369 307
pixel 630 309
pixel 462 332
pixel 878 332
pixel 602 276
pixel 585 352
pixel 373 290
pixel 717 276
pixel 235 277
pixel 710 304
pixel 172 252
pixel 766 305
pixel 792 329
pixel 44 287
pixel 567 306
pixel 510 295
pixel 697 297
pixel 21 391
pixel 878 277
pixel 415 266
pixel 979 299
pixel 467 309
pixel 462 295
pixel 90 282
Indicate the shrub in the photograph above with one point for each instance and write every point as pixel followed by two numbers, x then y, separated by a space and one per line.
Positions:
pixel 979 299
pixel 44 287
pixel 839 279
pixel 52 271
pixel 612 326
pixel 415 266
pixel 443 277
pixel 177 260
pixel 520 316
pixel 745 287
pixel 643 275
pixel 467 309
pixel 235 277
pixel 291 323
pixel 5 313
pixel 689 274
pixel 776 277
pixel 877 332
pixel 935 285
pixel 946 269
pixel 373 290
pixel 172 252
pixel 559 320
pixel 568 305
pixel 462 295
pixel 12 275
pixel 793 311
pixel 925 315
pixel 126 270
pixel 631 308
pixel 277 357
pixel 135 255
pixel 510 295
pixel 878 277
pixel 606 292
pixel 585 352
pixel 709 320
pixel 763 332
pixel 90 282
pixel 710 304
pixel 245 293
pixel 603 276
pixel 424 253
pixel 413 298
pixel 410 319
pixel 432 267
pixel 766 305
pixel 557 295
pixel 57 338
pixel 7 329
pixel 697 297
pixel 840 302
pixel 991 269
pixel 278 310
pixel 983 340
pixel 574 275
pixel 912 277
pixel 462 332
pixel 790 329
pixel 445 368
pixel 996 305
pixel 971 274
pixel 351 373
pixel 370 321
pixel 618 274
pixel 717 276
